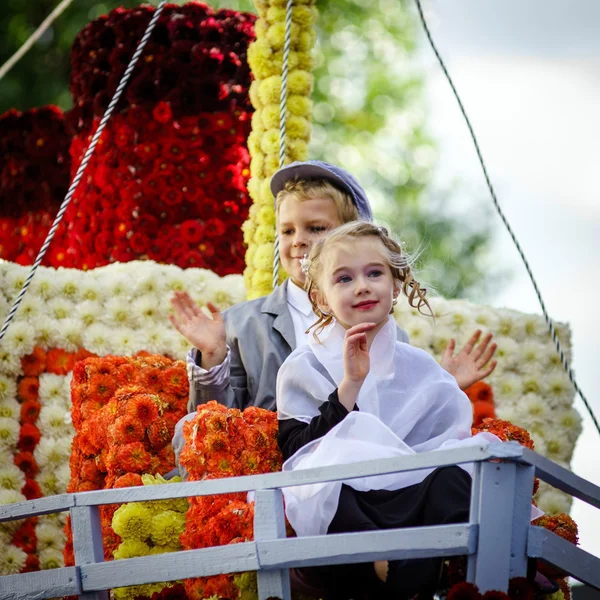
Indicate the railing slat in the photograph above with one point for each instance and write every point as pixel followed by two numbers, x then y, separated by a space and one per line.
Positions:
pixel 269 524
pixel 550 547
pixel 52 583
pixel 521 520
pixel 346 548
pixel 40 506
pixel 562 478
pixel 169 567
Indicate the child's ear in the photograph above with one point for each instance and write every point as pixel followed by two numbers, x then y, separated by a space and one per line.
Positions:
pixel 319 300
pixel 397 291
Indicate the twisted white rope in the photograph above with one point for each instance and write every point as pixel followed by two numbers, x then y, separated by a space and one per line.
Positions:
pixel 34 37
pixel 84 164
pixel 282 120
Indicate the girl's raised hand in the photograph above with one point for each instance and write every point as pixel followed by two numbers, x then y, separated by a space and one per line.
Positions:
pixel 356 353
pixel 208 335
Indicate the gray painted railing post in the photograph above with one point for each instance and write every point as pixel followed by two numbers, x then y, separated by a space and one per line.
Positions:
pixel 269 524
pixel 521 519
pixel 87 543
pixel 493 509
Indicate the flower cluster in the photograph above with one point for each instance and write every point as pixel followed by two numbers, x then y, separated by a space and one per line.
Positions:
pixel 563 526
pixel 34 177
pixel 530 386
pixel 147 528
pixel 195 60
pixel 124 413
pixel 221 442
pixel 481 396
pixel 265 57
pixel 160 188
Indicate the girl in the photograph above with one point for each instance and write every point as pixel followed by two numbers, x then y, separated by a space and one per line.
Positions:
pixel 357 393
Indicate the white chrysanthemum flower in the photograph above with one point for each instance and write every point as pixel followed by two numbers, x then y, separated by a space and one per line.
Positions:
pixel 147 310
pixel 220 294
pixel 558 389
pixel 8 496
pixel 60 308
pixel 569 421
pixel 67 387
pixel 151 283
pixel 51 558
pixel 11 477
pixel 4 306
pixel 46 331
pixel 441 335
pixel 532 383
pixel 460 318
pixel 420 332
pixel 175 346
pixel 554 501
pixel 44 284
pixel 12 560
pixel 52 452
pixel 10 363
pixel 8 387
pixel 176 280
pixel 52 422
pixel 154 340
pixel 511 325
pixel 49 482
pixel 10 409
pixel 68 285
pixel 486 320
pixel 13 281
pixel 532 355
pixel 535 327
pixel 97 338
pixel 558 445
pixel 90 312
pixel 507 352
pixel 539 443
pixel 534 408
pixel 119 284
pixel 5 537
pixel 63 474
pixel 118 313
pixel 52 389
pixel 507 388
pixel 90 290
pixel 9 434
pixel 19 338
pixel 50 536
pixel 507 412
pixel 31 308
pixel 125 342
pixel 68 335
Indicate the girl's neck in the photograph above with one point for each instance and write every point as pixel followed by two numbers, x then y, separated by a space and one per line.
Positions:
pixel 373 333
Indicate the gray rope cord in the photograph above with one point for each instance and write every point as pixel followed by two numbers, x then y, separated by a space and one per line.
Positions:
pixel 34 37
pixel 83 165
pixel 282 120
pixel 552 331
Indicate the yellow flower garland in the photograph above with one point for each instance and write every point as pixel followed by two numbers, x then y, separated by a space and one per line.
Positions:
pixel 265 57
pixel 148 528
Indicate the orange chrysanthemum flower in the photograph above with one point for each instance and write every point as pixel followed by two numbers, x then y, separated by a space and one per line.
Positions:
pixel 481 411
pixel 29 437
pixel 175 381
pixel 126 429
pixel 143 407
pixel 151 379
pixel 30 411
pixel 506 431
pixel 128 480
pixel 89 470
pixel 34 364
pixel 25 537
pixel 127 374
pixel 82 354
pixel 59 361
pixel 480 392
pixel 28 388
pixel 159 434
pixel 133 458
pixel 102 386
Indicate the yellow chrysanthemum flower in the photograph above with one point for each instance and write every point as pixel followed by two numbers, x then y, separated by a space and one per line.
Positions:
pixel 132 521
pixel 269 91
pixel 264 235
pixel 299 106
pixel 271 164
pixel 130 548
pixel 167 526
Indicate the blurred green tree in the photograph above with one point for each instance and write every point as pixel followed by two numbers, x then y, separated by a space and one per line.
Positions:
pixel 368 117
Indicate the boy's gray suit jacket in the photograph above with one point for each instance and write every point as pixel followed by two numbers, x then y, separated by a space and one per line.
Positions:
pixel 265 325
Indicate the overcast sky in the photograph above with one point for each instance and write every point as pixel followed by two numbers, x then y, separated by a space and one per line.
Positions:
pixel 528 74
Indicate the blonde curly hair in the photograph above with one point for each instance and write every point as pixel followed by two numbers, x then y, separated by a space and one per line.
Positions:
pixel 398 261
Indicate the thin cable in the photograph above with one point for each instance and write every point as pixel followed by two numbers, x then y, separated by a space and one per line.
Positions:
pixel 83 165
pixel 34 37
pixel 551 329
pixel 282 121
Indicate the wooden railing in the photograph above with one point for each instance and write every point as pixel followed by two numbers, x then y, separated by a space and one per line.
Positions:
pixel 498 539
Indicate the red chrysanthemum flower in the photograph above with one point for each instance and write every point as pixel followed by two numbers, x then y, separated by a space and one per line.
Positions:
pixel 191 231
pixel 27 463
pixel 133 458
pixel 30 411
pixel 520 588
pixel 29 437
pixel 31 490
pixel 32 563
pixel 60 362
pixel 28 388
pixel 34 364
pixel 464 591
pixel 162 112
pixel 25 537
pixel 495 595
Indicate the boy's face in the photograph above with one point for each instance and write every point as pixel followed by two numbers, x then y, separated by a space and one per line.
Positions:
pixel 301 223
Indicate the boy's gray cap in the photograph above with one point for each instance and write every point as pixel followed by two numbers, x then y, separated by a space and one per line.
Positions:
pixel 316 169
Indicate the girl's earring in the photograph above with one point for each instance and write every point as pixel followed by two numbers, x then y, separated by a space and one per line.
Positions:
pixel 395 301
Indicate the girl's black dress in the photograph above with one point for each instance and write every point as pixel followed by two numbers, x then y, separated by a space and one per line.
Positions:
pixel 441 498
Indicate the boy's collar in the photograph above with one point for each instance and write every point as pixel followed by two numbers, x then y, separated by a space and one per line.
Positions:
pixel 298 298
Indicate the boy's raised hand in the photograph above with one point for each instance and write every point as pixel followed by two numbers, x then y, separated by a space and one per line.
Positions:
pixel 472 363
pixel 208 335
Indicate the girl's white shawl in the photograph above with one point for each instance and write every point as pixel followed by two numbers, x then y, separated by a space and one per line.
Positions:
pixel 408 404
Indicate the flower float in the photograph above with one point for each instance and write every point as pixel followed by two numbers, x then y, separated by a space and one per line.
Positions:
pixel 221 442
pixel 265 56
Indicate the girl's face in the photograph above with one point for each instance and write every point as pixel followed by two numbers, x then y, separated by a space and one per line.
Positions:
pixel 301 223
pixel 356 283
